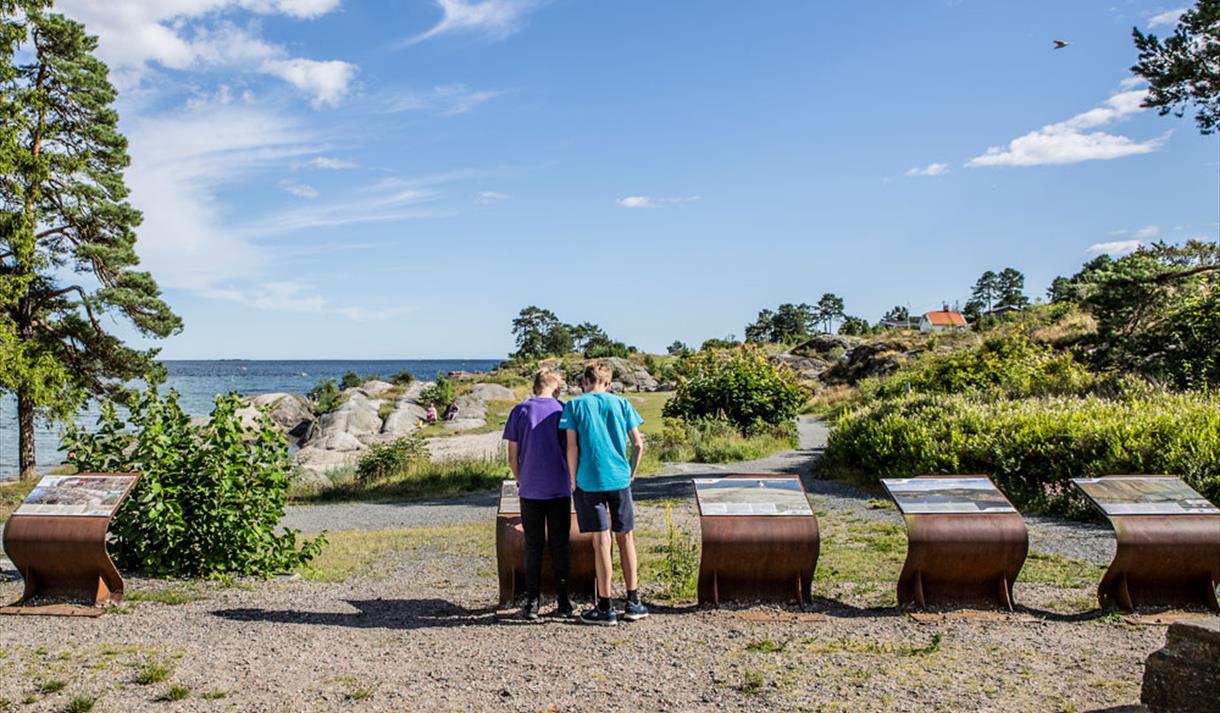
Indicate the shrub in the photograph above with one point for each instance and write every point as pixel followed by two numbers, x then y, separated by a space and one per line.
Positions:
pixel 740 386
pixel 423 479
pixel 382 460
pixel 402 377
pixel 1032 447
pixel 441 392
pixel 718 441
pixel 351 380
pixel 210 498
pixel 324 395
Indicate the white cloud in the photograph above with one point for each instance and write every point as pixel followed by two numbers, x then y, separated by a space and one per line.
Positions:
pixel 135 34
pixel 445 99
pixel 487 197
pixel 330 164
pixel 496 19
pixel 300 190
pixel 650 202
pixel 1148 231
pixel 1115 248
pixel 1169 17
pixel 1071 142
pixel 1132 83
pixel 293 296
pixel 382 203
pixel 326 81
pixel 932 169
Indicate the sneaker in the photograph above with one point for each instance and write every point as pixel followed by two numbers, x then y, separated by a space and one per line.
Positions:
pixel 529 612
pixel 634 611
pixel 596 616
pixel 564 608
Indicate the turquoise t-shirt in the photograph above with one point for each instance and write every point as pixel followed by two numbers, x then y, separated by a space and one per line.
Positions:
pixel 602 422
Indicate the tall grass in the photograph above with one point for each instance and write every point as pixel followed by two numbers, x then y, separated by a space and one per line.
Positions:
pixel 418 480
pixel 716 441
pixel 1032 447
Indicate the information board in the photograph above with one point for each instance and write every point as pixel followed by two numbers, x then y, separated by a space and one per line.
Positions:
pixel 925 496
pixel 751 496
pixel 81 496
pixel 1144 495
pixel 510 498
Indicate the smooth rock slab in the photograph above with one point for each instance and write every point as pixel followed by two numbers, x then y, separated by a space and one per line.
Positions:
pixel 1185 675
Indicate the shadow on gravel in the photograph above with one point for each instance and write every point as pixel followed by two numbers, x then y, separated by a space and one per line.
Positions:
pixel 375 614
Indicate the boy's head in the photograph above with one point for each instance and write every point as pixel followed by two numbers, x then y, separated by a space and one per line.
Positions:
pixel 547 382
pixel 597 376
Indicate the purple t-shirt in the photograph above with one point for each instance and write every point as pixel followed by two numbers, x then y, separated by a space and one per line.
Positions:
pixel 533 425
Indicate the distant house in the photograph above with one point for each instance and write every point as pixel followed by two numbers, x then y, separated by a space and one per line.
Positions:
pixel 908 323
pixel 1003 310
pixel 946 320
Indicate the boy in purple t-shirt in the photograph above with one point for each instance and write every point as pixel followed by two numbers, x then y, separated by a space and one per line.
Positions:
pixel 536 456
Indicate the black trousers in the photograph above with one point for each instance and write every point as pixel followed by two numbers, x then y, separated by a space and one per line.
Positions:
pixel 546 522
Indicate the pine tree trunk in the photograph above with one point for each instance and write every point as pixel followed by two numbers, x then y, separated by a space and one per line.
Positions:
pixel 25 416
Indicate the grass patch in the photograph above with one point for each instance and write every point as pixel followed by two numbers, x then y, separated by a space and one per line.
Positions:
pixel 12 495
pixel 649 405
pixel 151 673
pixel 671 565
pixel 212 695
pixel 766 646
pixel 857 553
pixel 1060 571
pixel 79 704
pixel 873 647
pixel 175 692
pixel 367 552
pixel 751 683
pixel 170 596
pixel 46 688
pixel 416 482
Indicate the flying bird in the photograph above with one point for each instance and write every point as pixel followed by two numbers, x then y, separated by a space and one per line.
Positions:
pixel 1060 44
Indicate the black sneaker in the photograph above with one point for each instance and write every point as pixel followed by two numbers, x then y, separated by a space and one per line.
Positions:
pixel 529 612
pixel 597 616
pixel 564 608
pixel 634 611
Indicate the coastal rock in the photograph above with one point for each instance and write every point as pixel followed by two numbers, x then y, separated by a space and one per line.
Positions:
pixel 827 347
pixel 472 413
pixel 492 392
pixel 356 416
pixel 403 419
pixel 314 463
pixel 290 412
pixel 374 388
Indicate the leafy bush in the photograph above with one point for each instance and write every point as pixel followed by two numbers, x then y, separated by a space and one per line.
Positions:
pixel 677 572
pixel 382 460
pixel 442 392
pixel 606 349
pixel 423 479
pixel 210 498
pixel 740 386
pixel 402 377
pixel 325 396
pixel 716 441
pixel 351 380
pixel 1032 447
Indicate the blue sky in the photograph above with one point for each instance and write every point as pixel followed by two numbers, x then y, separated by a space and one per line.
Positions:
pixel 346 179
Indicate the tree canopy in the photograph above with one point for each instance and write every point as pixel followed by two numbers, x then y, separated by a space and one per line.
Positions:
pixel 1184 69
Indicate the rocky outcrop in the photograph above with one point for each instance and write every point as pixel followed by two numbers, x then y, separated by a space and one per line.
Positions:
pixel 472 414
pixel 492 392
pixel 1185 674
pixel 375 388
pixel 356 418
pixel 831 359
pixel 290 412
pixel 404 419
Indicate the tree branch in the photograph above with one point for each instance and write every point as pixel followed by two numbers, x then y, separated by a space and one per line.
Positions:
pixel 84 301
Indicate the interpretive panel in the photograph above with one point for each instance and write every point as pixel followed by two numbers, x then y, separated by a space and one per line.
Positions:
pixel 82 496
pixel 751 496
pixel 510 498
pixel 1143 495
pixel 927 496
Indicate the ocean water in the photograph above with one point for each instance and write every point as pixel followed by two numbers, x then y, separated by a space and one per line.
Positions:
pixel 197 382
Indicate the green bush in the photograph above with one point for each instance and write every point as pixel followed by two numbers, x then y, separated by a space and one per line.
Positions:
pixel 210 498
pixel 717 441
pixel 402 377
pixel 325 396
pixel 740 386
pixel 423 479
pixel 1032 447
pixel 351 380
pixel 382 460
pixel 442 393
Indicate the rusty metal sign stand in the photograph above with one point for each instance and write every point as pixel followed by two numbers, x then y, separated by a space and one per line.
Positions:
pixel 1167 555
pixel 510 553
pixel 750 553
pixel 57 540
pixel 954 554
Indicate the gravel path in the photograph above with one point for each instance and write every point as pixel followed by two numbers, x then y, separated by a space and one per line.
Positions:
pixel 1090 542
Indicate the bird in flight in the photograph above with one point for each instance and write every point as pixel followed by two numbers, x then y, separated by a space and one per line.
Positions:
pixel 1060 44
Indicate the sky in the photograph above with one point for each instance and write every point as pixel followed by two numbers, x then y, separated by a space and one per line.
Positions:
pixel 397 179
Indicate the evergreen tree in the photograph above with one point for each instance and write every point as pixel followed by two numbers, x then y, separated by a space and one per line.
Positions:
pixel 1184 69
pixel 63 208
pixel 830 308
pixel 793 323
pixel 985 292
pixel 762 329
pixel 897 314
pixel 531 329
pixel 854 326
pixel 1011 288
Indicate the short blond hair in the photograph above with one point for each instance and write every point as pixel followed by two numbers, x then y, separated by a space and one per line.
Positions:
pixel 599 373
pixel 546 380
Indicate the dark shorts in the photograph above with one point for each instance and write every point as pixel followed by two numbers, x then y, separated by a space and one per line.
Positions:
pixel 601 511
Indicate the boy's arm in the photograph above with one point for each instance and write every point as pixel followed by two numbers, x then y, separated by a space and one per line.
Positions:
pixel 514 451
pixel 637 450
pixel 573 454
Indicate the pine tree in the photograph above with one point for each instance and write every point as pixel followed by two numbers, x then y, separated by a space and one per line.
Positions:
pixel 63 208
pixel 830 308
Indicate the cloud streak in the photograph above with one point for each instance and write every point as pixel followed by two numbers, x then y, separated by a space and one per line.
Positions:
pixel 932 169
pixel 651 202
pixel 1075 140
pixel 494 19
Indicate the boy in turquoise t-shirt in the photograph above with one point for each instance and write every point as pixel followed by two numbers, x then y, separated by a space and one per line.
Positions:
pixel 601 428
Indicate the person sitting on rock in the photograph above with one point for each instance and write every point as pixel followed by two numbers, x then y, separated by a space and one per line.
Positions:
pixel 451 413
pixel 430 414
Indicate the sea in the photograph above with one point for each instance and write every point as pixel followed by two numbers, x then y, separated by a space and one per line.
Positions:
pixel 197 382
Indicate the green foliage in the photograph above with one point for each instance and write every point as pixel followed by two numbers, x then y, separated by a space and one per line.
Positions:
pixel 210 498
pixel 1008 364
pixel 421 479
pixel 717 441
pixel 677 575
pixel 1184 69
pixel 727 342
pixel 402 377
pixel 80 704
pixel 788 324
pixel 607 349
pixel 1032 447
pixel 854 327
pixel 830 308
pixel 64 210
pixel 741 386
pixel 442 392
pixel 46 688
pixel 678 348
pixel 324 396
pixel 350 380
pixel 382 460
pixel 151 673
pixel 176 692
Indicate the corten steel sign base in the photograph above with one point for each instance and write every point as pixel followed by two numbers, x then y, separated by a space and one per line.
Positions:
pixel 1162 559
pixel 957 557
pixel 510 555
pixel 748 557
pixel 64 556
